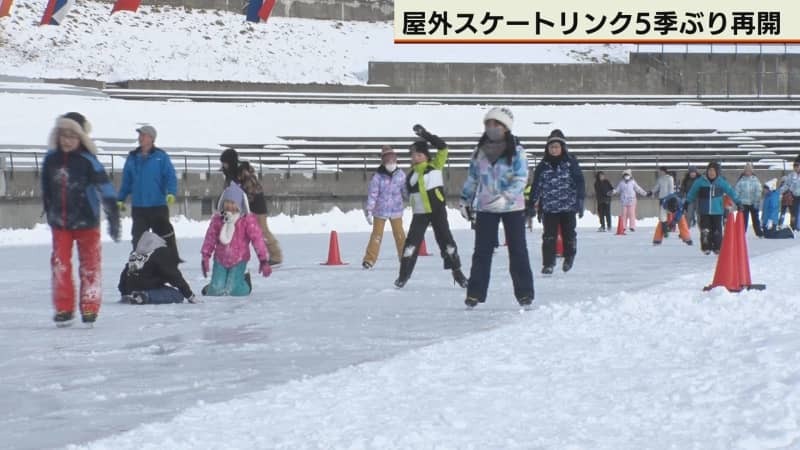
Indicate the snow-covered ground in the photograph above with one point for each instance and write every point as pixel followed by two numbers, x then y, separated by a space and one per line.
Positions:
pixel 625 351
pixel 172 43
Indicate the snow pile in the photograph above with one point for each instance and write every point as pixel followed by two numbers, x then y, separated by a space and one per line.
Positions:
pixel 665 367
pixel 163 42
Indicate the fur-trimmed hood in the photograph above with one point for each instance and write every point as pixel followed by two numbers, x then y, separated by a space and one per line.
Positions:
pixel 76 123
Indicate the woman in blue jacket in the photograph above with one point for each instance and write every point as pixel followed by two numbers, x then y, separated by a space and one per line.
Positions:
pixel 708 191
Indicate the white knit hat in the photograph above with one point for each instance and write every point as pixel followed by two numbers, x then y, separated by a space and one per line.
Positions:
pixel 627 172
pixel 772 184
pixel 501 114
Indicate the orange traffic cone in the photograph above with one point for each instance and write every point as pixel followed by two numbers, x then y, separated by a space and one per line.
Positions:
pixel 559 243
pixel 744 257
pixel 727 271
pixel 423 249
pixel 620 227
pixel 334 258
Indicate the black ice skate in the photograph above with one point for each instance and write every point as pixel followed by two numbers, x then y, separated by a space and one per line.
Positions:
pixel 63 319
pixel 547 270
pixel 459 278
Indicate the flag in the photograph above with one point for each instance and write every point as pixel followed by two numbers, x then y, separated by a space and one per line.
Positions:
pixel 5 7
pixel 259 10
pixel 126 5
pixel 56 11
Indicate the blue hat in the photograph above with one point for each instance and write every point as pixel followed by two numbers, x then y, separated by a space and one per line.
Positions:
pixel 236 195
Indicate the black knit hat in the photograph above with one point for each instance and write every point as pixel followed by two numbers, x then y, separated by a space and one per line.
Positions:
pixel 714 165
pixel 557 136
pixel 420 146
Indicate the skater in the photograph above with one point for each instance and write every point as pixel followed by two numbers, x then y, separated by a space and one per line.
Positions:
pixel 770 213
pixel 708 190
pixel 558 192
pixel 149 178
pixel 387 189
pixel 686 184
pixel 673 204
pixel 75 187
pixel 247 179
pixel 495 185
pixel 748 189
pixel 602 193
pixel 229 235
pixel 150 268
pixel 424 183
pixel 665 186
pixel 627 189
pixel 792 187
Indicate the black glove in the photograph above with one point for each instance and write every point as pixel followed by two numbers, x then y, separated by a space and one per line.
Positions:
pixel 114 221
pixel 435 141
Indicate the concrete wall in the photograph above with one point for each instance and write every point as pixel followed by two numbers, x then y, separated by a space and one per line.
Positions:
pixel 21 207
pixel 645 74
pixel 363 10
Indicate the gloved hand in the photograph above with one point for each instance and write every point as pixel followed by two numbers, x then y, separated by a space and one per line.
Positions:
pixel 580 208
pixel 114 227
pixel 170 199
pixel 121 207
pixel 264 268
pixel 368 216
pixel 436 141
pixel 204 266
pixel 580 214
pixel 466 211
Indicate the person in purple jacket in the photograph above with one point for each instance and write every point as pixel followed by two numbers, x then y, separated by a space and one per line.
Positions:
pixel 387 190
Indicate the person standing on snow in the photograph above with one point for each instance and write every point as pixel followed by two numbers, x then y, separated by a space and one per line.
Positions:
pixel 627 188
pixel 602 193
pixel 425 182
pixel 558 191
pixel 150 267
pixel 665 185
pixel 149 178
pixel 387 189
pixel 792 186
pixel 74 188
pixel 748 188
pixel 686 184
pixel 708 190
pixel 495 186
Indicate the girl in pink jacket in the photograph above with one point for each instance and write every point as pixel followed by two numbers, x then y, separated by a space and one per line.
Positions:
pixel 627 190
pixel 229 235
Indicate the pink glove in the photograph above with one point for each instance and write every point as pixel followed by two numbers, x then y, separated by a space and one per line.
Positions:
pixel 204 265
pixel 265 269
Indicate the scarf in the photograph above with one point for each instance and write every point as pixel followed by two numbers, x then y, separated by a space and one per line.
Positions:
pixel 228 227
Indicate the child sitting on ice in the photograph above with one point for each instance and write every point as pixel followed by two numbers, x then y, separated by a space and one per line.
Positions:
pixel 229 235
pixel 770 213
pixel 150 267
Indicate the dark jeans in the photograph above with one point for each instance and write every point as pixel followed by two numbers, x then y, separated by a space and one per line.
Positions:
pixel 604 211
pixel 710 232
pixel 551 222
pixel 486 225
pixel 416 233
pixel 162 296
pixel 751 211
pixel 154 218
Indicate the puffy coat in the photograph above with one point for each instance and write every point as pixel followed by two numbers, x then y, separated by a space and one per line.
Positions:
pixel 665 185
pixel 627 191
pixel 558 184
pixel 148 179
pixel 151 266
pixel 770 211
pixel 247 230
pixel 709 195
pixel 748 189
pixel 497 187
pixel 386 193
pixel 425 184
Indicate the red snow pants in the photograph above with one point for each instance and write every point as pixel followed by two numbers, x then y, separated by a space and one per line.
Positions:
pixel 88 241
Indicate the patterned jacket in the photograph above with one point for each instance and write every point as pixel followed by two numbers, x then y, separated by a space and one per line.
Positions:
pixel 386 193
pixel 558 184
pixel 792 184
pixel 748 189
pixel 497 187
pixel 247 231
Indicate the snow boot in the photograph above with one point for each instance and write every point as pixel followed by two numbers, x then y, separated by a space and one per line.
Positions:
pixel 525 301
pixel 89 317
pixel 459 278
pixel 366 265
pixel 568 261
pixel 547 270
pixel 400 282
pixel 63 319
pixel 471 302
pixel 248 281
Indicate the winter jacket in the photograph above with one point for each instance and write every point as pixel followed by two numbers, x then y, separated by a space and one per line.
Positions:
pixel 709 195
pixel 74 185
pixel 558 184
pixel 386 193
pixel 770 211
pixel 665 185
pixel 255 192
pixel 425 184
pixel 677 201
pixel 687 183
pixel 247 230
pixel 602 191
pixel 748 189
pixel 792 184
pixel 151 266
pixel 497 187
pixel 149 179
pixel 627 191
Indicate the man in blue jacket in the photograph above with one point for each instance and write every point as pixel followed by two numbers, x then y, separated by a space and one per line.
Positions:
pixel 149 178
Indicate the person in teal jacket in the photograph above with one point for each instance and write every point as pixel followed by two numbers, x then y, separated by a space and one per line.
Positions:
pixel 708 191
pixel 149 178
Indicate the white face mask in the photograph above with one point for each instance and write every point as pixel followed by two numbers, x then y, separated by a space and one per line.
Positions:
pixel 390 166
pixel 627 177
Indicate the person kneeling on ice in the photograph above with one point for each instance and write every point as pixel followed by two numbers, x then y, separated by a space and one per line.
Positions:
pixel 151 266
pixel 424 183
pixel 673 205
pixel 708 190
pixel 770 213
pixel 229 235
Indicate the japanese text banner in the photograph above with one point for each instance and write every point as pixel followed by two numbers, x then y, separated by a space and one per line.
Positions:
pixel 582 21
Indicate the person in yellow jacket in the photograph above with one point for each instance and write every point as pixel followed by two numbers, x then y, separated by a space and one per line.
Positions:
pixel 425 184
